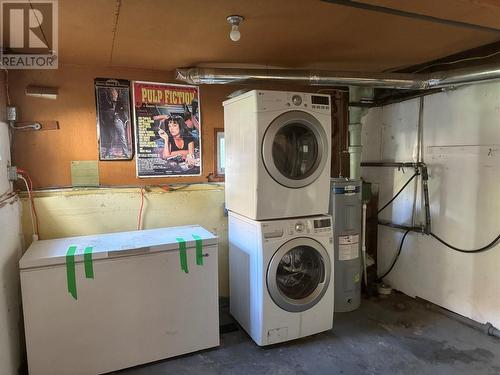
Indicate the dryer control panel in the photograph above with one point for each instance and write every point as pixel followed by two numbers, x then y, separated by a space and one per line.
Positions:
pixel 276 100
pixel 317 102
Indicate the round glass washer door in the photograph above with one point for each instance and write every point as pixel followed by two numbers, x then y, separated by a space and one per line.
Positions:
pixel 294 149
pixel 298 274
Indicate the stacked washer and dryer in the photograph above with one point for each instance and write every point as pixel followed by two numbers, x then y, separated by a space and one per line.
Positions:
pixel 277 194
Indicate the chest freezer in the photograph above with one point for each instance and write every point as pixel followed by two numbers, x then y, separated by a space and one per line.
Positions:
pixel 95 304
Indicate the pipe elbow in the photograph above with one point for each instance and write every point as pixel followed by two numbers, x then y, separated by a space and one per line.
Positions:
pixel 188 75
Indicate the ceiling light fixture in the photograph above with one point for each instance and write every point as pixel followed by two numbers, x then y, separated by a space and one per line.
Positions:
pixel 235 21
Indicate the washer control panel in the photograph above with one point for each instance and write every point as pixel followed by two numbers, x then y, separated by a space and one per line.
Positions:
pixel 279 229
pixel 273 233
pixel 322 225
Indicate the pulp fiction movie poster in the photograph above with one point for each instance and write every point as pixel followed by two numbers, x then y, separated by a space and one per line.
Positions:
pixel 167 129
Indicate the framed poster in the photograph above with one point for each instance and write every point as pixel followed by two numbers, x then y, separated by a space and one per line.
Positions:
pixel 114 126
pixel 167 129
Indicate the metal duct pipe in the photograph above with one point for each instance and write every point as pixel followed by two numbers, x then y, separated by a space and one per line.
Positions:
pixel 200 76
pixel 464 76
pixel 211 76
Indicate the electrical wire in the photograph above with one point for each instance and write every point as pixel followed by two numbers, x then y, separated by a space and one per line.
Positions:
pixel 35 126
pixel 179 188
pixel 400 248
pixel 375 217
pixel 33 226
pixel 33 203
pixel 139 221
pixel 394 261
pixel 23 173
pixel 479 250
pixel 399 192
pixel 458 61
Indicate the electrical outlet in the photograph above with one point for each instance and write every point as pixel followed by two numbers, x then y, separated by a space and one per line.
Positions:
pixel 12 173
pixel 11 113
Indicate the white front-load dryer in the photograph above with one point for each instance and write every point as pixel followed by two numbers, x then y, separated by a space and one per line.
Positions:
pixel 281 277
pixel 278 152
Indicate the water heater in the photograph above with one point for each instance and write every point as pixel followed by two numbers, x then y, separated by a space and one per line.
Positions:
pixel 345 208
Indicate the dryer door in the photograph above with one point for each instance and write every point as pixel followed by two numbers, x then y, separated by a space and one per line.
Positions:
pixel 295 149
pixel 298 274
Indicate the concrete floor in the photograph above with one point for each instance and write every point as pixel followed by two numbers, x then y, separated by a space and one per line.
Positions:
pixel 395 335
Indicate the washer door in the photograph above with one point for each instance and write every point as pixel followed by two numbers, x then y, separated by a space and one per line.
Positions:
pixel 294 149
pixel 298 274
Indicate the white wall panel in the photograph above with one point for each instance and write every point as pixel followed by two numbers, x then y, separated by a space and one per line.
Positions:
pixel 10 253
pixel 462 150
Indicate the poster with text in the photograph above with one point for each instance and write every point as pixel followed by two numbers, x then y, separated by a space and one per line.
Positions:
pixel 167 129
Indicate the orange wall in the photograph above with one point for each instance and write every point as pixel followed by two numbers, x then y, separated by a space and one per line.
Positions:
pixel 47 154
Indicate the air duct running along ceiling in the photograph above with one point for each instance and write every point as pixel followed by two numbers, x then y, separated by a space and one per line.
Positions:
pixel 404 81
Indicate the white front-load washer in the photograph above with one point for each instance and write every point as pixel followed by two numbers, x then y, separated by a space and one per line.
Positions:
pixel 277 154
pixel 281 276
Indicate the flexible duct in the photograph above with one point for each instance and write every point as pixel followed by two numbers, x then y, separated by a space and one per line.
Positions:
pixel 200 76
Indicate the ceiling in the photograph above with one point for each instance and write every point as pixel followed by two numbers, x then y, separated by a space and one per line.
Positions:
pixel 314 34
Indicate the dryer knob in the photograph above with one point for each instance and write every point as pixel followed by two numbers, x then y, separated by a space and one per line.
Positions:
pixel 299 227
pixel 297 100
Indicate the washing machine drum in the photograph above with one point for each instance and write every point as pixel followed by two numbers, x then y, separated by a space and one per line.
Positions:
pixel 298 274
pixel 294 149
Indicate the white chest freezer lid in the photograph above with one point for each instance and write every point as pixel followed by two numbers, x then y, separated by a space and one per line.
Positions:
pixel 53 252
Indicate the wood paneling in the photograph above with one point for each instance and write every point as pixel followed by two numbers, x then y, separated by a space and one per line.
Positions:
pixel 163 35
pixel 47 154
pixel 477 12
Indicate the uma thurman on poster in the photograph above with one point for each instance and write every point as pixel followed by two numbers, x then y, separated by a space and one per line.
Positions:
pixel 167 129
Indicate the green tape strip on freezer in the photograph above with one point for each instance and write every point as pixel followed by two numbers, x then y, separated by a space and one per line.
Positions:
pixel 87 259
pixel 70 271
pixel 199 249
pixel 182 254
